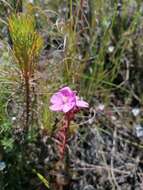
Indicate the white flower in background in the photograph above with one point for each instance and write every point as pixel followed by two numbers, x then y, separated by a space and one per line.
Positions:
pixel 37 15
pixel 13 118
pixel 110 49
pixel 101 107
pixel 2 165
pixel 135 111
pixel 139 130
pixel 113 118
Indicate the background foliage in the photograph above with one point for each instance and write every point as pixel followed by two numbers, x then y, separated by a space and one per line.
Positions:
pixel 93 46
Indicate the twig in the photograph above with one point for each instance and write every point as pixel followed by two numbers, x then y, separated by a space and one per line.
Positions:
pixel 107 167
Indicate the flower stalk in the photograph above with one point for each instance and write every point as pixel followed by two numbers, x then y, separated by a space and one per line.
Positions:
pixel 62 136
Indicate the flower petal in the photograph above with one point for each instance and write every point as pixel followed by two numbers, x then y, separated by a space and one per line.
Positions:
pixel 66 91
pixel 56 107
pixel 56 98
pixel 67 107
pixel 81 103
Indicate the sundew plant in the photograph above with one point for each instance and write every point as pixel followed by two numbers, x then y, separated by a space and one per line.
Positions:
pixel 66 101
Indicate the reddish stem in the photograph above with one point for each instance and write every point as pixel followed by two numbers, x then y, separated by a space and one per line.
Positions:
pixel 62 134
pixel 65 129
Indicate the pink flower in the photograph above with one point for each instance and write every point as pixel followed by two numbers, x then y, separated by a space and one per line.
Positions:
pixel 66 100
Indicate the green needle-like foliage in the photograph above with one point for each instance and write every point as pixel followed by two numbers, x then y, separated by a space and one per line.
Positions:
pixel 27 43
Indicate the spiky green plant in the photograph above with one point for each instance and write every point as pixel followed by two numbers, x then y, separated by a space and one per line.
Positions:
pixel 26 46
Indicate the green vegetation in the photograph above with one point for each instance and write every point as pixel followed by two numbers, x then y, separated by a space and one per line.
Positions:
pixel 95 47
